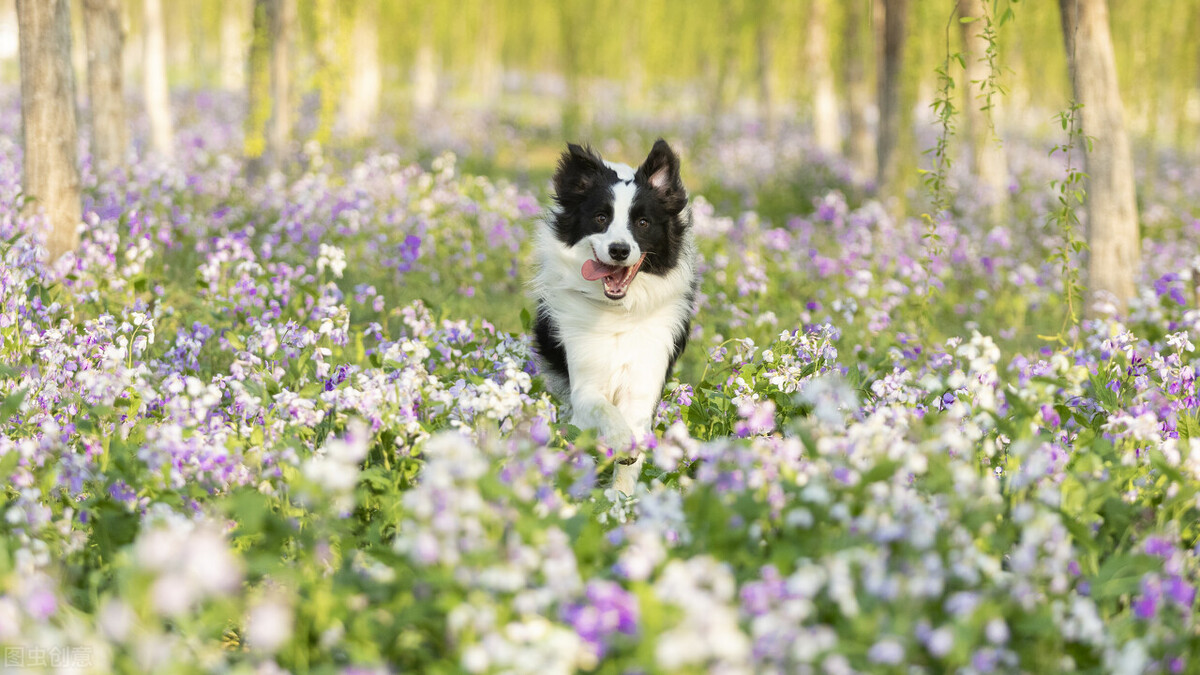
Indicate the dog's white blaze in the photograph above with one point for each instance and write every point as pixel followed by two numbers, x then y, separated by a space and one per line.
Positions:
pixel 620 229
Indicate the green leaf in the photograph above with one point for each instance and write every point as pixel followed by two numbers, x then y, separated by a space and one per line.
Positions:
pixel 112 526
pixel 1188 427
pixel 12 403
pixel 1122 574
pixel 8 463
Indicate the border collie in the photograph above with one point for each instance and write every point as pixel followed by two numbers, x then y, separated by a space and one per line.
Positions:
pixel 615 288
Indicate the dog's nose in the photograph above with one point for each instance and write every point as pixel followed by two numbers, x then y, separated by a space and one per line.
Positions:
pixel 618 251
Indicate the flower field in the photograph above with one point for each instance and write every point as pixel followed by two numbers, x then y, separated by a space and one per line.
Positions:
pixel 293 426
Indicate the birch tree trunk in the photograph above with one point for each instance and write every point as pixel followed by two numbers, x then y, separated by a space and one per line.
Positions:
pixel 766 88
pixel 425 75
pixel 283 28
pixel 48 119
pixel 988 162
pixel 895 18
pixel 110 128
pixel 488 72
pixel 366 81
pixel 856 49
pixel 328 72
pixel 258 89
pixel 154 78
pixel 826 126
pixel 1112 227
pixel 233 44
pixel 570 24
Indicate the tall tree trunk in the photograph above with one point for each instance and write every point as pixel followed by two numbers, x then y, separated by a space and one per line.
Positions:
pixel 826 127
pixel 895 19
pixel 487 71
pixel 635 62
pixel 425 78
pixel 328 79
pixel 366 81
pixel 726 52
pixel 1113 239
pixel 48 119
pixel 258 90
pixel 856 49
pixel 283 29
pixel 766 88
pixel 988 162
pixel 233 44
pixel 425 70
pixel 154 78
pixel 570 25
pixel 110 129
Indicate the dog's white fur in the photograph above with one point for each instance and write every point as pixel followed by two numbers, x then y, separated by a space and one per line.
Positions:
pixel 617 350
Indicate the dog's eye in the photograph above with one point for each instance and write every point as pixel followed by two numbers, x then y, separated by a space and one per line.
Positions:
pixel 601 219
pixel 642 222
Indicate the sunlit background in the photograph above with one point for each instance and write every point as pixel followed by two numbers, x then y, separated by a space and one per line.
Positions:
pixel 457 75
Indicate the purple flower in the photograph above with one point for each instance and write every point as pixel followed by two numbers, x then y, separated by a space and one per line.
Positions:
pixel 1183 593
pixel 607 610
pixel 756 419
pixel 1159 546
pixel 540 431
pixel 887 651
pixel 1051 416
pixel 1145 606
pixel 41 604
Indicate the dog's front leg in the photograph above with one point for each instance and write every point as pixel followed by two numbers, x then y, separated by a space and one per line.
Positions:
pixel 591 410
pixel 637 408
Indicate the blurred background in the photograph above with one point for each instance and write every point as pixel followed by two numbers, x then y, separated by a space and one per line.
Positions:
pixel 432 76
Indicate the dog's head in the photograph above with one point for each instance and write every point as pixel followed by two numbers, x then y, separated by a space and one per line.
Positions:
pixel 625 220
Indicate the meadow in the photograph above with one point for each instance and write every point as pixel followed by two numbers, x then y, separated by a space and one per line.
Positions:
pixel 292 425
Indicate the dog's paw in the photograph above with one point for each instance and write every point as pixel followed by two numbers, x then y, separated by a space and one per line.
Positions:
pixel 615 432
pixel 610 426
pixel 626 473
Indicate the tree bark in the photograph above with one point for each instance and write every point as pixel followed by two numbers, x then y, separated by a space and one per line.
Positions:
pixel 766 88
pixel 895 19
pixel 48 119
pixel 154 79
pixel 855 56
pixel 1112 224
pixel 258 89
pixel 327 76
pixel 233 45
pixel 425 75
pixel 570 24
pixel 488 72
pixel 366 81
pixel 826 127
pixel 283 28
pixel 988 162
pixel 110 128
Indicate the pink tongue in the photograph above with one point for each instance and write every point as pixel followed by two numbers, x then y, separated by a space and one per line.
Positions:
pixel 594 269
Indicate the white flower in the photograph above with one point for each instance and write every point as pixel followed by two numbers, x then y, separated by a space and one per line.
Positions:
pixel 1181 342
pixel 269 624
pixel 115 619
pixel 332 257
pixel 335 465
pixel 193 559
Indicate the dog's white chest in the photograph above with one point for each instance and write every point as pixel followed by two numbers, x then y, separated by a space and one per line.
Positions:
pixel 634 354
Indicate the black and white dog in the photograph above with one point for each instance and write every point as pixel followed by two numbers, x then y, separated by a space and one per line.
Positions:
pixel 615 286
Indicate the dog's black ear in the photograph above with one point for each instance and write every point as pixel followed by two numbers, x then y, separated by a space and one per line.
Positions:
pixel 660 172
pixel 579 169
